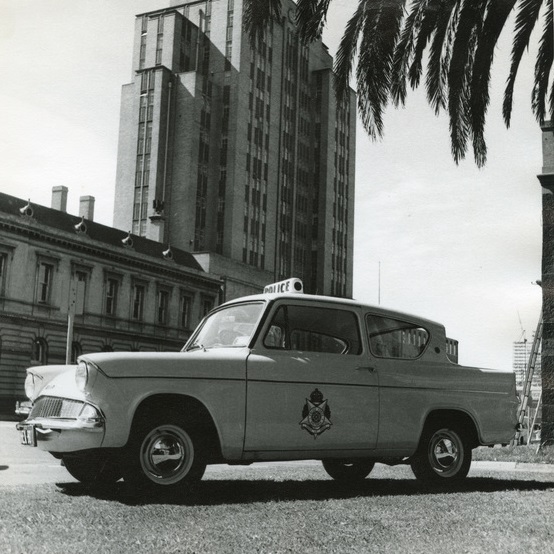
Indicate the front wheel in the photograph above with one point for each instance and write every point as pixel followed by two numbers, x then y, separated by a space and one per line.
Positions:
pixel 348 471
pixel 443 455
pixel 164 456
pixel 93 468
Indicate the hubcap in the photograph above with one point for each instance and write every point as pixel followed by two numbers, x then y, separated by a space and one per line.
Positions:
pixel 445 452
pixel 166 455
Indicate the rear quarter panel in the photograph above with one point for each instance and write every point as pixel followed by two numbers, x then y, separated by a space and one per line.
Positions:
pixel 411 390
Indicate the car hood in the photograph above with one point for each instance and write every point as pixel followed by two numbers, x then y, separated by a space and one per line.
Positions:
pixel 44 374
pixel 215 362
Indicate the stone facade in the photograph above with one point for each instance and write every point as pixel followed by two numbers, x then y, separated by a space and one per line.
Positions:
pixel 122 291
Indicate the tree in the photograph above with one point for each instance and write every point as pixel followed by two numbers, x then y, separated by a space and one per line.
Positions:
pixel 385 40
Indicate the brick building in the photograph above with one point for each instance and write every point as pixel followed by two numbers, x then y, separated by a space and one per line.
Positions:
pixel 239 154
pixel 126 292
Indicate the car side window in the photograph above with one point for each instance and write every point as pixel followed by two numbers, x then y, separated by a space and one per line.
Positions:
pixel 312 329
pixel 393 338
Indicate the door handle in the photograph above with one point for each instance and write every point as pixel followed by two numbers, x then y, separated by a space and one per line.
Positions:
pixel 366 368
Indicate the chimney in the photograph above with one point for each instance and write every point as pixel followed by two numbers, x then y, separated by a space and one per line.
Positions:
pixel 59 198
pixel 86 207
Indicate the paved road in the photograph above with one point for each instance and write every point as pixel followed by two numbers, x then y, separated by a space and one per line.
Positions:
pixel 20 465
pixel 24 465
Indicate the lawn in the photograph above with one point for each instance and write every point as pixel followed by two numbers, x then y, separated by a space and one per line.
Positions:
pixel 522 454
pixel 281 508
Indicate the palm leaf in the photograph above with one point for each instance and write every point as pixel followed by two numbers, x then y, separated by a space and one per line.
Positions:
pixel 495 21
pixel 542 69
pixel 468 28
pixel 425 32
pixel 311 16
pixel 435 78
pixel 344 60
pixel 379 36
pixel 404 50
pixel 526 18
pixel 257 14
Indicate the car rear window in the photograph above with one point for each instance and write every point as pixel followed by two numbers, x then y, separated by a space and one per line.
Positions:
pixel 393 338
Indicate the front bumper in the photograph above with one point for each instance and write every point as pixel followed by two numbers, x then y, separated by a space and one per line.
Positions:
pixel 23 408
pixel 62 425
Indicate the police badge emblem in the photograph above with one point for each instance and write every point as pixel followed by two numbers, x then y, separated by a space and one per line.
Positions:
pixel 316 415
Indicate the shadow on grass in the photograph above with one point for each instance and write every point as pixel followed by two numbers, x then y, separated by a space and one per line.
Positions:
pixel 243 491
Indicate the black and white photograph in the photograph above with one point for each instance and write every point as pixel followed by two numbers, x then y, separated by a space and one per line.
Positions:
pixel 277 276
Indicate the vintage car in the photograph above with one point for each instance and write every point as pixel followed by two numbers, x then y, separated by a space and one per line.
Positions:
pixel 276 376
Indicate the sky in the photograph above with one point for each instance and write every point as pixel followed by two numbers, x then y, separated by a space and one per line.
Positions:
pixel 452 243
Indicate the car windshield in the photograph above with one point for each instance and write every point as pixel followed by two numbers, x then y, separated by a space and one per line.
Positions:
pixel 229 327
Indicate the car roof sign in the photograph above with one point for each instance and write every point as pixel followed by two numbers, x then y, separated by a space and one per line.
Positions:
pixel 289 285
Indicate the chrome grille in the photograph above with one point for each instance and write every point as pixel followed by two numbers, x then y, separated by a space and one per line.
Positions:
pixel 50 406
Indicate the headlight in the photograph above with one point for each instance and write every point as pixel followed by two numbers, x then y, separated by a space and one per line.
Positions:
pixel 81 375
pixel 30 385
pixel 85 374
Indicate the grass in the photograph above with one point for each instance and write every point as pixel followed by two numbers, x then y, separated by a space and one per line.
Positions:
pixel 521 454
pixel 284 509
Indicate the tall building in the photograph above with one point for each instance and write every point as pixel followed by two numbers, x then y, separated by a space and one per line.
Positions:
pixel 521 353
pixel 238 154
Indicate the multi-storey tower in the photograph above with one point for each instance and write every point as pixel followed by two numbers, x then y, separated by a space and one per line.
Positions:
pixel 237 150
pixel 522 351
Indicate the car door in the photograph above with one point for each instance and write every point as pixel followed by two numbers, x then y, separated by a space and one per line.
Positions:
pixel 410 363
pixel 309 384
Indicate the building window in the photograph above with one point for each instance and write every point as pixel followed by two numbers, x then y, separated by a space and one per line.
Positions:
pixel 3 272
pixel 142 55
pixel 45 275
pixel 107 348
pixel 139 292
pixel 163 307
pixel 112 288
pixel 159 41
pixel 40 352
pixel 81 279
pixel 184 311
pixel 207 305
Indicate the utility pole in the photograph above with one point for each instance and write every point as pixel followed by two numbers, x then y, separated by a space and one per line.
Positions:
pixel 76 307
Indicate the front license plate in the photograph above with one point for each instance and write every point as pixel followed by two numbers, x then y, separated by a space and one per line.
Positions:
pixel 28 435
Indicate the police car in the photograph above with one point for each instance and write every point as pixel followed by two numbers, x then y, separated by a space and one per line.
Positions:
pixel 277 376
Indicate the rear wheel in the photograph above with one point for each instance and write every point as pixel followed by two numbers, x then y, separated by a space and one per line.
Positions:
pixel 348 471
pixel 443 456
pixel 165 455
pixel 93 468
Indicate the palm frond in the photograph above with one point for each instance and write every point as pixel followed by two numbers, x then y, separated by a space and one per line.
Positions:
pixel 425 33
pixel 495 20
pixel 311 16
pixel 403 52
pixel 257 14
pixel 479 149
pixel 542 68
pixel 344 60
pixel 435 78
pixel 465 38
pixel 526 18
pixel 380 32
